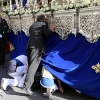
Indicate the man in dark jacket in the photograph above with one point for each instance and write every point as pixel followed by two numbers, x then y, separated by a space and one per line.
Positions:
pixel 3 39
pixel 35 48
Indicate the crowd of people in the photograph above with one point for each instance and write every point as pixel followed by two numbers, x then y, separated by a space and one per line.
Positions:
pixel 22 69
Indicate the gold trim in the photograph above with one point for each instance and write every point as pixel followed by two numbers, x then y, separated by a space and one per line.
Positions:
pixel 96 68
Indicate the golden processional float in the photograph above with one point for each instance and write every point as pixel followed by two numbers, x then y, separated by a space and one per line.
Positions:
pixel 69 16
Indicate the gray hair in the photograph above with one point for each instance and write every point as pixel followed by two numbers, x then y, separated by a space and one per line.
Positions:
pixel 40 17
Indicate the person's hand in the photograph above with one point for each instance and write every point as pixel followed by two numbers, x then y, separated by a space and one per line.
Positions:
pixel 4 26
pixel 61 89
pixel 52 27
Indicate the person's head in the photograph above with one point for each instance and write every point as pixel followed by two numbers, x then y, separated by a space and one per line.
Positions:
pixel 41 18
pixel 11 66
pixel 0 15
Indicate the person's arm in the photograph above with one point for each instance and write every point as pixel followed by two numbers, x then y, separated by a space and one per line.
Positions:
pixel 6 27
pixel 48 30
pixel 60 86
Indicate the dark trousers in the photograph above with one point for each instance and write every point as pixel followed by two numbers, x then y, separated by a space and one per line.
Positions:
pixel 34 58
pixel 2 51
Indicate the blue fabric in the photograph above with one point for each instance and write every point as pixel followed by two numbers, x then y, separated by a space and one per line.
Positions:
pixel 47 82
pixel 24 2
pixel 70 60
pixel 18 61
pixel 19 42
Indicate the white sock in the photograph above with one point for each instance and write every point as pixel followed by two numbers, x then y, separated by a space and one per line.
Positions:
pixel 53 88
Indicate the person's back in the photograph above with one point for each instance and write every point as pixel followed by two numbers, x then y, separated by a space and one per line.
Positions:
pixel 37 39
pixel 23 59
pixel 38 32
pixel 12 65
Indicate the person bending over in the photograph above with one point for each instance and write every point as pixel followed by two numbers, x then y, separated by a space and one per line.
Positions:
pixel 36 48
pixel 17 69
pixel 47 81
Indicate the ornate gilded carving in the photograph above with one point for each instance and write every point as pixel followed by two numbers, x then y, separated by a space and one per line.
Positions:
pixel 86 21
pixel 89 23
pixel 26 22
pixel 15 23
pixel 22 22
pixel 64 23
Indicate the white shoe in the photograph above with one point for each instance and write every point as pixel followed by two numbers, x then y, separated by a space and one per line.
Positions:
pixel 77 91
pixel 4 83
pixel 48 93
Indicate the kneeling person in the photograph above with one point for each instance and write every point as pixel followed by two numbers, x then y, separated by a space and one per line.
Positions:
pixel 17 69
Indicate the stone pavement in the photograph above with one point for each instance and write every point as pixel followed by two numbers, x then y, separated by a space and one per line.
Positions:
pixel 15 93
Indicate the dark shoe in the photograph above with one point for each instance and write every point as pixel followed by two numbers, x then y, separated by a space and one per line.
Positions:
pixel 28 91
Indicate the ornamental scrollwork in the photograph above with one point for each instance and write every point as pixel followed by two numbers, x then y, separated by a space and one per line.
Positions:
pixel 15 24
pixel 89 24
pixel 26 22
pixel 85 21
pixel 64 23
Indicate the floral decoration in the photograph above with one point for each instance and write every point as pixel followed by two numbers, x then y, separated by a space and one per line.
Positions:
pixel 96 68
pixel 55 6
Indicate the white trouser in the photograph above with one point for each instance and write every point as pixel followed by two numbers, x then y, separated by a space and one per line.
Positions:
pixel 19 77
pixel 12 82
pixel 50 88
